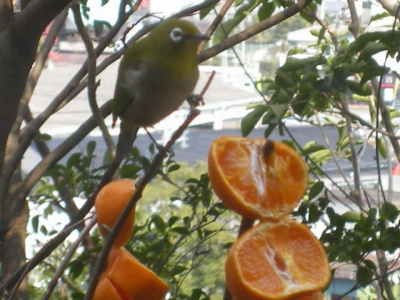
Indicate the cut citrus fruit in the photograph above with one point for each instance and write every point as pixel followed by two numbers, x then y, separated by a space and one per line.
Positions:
pixel 105 290
pixel 131 279
pixel 276 260
pixel 315 295
pixel 110 203
pixel 257 178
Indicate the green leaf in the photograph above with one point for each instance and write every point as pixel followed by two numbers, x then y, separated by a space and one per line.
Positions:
pixel 206 10
pixel 181 230
pixel 44 137
pixel 173 167
pixel 321 156
pixel 389 212
pixel 381 145
pixel 312 147
pixel 380 16
pixel 35 223
pixel 130 171
pixel 76 268
pixel 266 10
pixel 314 213
pixel 178 269
pixel 90 147
pixel 364 275
pixel 74 160
pixel 351 216
pixel 316 189
pixel 294 51
pixel 173 220
pixel 250 120
pixel 242 12
pixel 358 88
pixel 158 223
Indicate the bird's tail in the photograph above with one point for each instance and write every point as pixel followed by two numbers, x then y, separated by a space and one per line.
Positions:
pixel 127 136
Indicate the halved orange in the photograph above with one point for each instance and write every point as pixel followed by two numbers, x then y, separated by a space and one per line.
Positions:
pixel 316 295
pixel 110 203
pixel 105 290
pixel 125 278
pixel 276 260
pixel 257 178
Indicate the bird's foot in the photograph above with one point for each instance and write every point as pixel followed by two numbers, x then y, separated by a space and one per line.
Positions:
pixel 195 100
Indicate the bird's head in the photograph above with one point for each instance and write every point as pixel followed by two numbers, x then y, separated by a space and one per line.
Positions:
pixel 177 35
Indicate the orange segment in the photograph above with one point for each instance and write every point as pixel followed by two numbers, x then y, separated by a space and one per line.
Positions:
pixel 276 261
pixel 105 290
pixel 134 279
pixel 110 203
pixel 256 178
pixel 316 295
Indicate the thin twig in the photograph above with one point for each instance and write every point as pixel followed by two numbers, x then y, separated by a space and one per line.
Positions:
pixel 218 19
pixel 365 123
pixel 92 79
pixel 17 278
pixel 66 259
pixel 354 159
pixel 355 20
pixel 334 157
pixel 330 32
pixel 253 30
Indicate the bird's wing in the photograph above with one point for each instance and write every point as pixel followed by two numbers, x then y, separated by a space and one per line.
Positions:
pixel 130 74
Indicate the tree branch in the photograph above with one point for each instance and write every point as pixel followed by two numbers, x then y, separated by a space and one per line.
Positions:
pixel 218 19
pixel 66 259
pixel 92 78
pixel 6 13
pixel 253 30
pixel 37 14
pixel 355 20
pixel 45 251
pixel 11 162
pixel 60 151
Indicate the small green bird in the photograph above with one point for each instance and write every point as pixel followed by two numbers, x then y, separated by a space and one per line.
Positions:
pixel 156 74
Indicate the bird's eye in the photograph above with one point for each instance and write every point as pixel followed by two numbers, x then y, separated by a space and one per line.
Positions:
pixel 176 34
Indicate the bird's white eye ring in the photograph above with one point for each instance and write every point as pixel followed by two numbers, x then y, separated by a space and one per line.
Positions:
pixel 176 34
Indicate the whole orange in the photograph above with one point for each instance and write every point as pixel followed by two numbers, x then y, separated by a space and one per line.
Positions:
pixel 110 203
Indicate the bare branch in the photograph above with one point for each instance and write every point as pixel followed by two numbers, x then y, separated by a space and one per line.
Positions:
pixel 92 78
pixel 10 163
pixel 355 20
pixel 331 34
pixel 218 19
pixel 66 259
pixel 253 30
pixel 6 13
pixel 34 18
pixel 60 151
pixel 15 279
pixel 195 8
